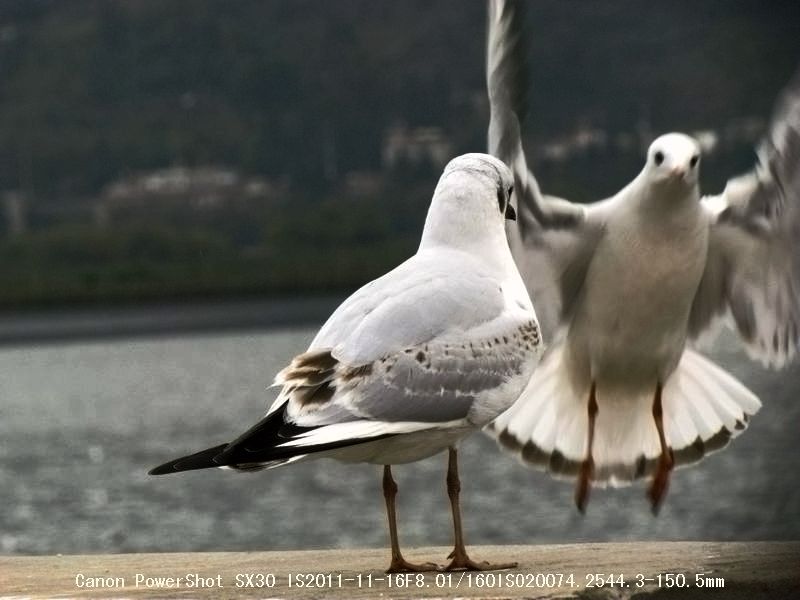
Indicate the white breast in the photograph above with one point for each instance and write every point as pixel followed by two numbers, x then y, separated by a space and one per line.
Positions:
pixel 631 320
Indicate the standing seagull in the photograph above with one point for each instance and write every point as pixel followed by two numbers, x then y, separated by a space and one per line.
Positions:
pixel 413 361
pixel 630 281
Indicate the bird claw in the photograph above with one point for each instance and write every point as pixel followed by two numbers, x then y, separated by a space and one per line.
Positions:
pixel 401 565
pixel 471 565
pixel 584 483
pixel 658 488
pixel 462 562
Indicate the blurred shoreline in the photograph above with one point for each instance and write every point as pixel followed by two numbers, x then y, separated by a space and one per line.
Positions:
pixel 163 318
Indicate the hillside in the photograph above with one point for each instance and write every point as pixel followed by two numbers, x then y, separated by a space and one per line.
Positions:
pixel 305 96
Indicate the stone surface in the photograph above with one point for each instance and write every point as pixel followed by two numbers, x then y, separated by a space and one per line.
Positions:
pixel 751 570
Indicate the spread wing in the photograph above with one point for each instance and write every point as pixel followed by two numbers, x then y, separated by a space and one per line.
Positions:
pixel 753 267
pixel 553 239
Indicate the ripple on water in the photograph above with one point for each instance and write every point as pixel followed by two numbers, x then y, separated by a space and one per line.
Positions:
pixel 82 424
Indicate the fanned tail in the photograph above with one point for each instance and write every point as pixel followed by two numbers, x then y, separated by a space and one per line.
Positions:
pixel 704 407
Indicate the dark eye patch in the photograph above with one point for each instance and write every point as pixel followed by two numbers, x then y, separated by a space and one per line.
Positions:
pixel 501 200
pixel 658 157
pixel 694 160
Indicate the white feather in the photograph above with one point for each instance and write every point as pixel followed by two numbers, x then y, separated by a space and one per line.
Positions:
pixel 356 430
pixel 699 401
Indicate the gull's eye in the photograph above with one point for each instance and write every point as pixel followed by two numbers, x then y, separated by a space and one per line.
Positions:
pixel 694 160
pixel 658 157
pixel 510 191
pixel 501 200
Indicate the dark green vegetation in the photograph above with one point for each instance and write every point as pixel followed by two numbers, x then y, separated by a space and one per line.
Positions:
pixel 302 93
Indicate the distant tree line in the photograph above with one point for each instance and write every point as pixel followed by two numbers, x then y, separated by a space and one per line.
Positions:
pixel 304 91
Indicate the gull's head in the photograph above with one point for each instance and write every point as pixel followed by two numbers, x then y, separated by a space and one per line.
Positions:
pixel 472 200
pixel 479 183
pixel 673 160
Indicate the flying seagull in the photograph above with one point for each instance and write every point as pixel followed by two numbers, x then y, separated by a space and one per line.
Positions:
pixel 624 287
pixel 413 361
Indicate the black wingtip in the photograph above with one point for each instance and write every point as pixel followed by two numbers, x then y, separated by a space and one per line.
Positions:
pixel 199 460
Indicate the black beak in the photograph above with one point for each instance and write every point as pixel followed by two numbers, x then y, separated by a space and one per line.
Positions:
pixel 511 214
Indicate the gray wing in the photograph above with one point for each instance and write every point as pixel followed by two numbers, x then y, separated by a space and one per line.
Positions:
pixel 418 344
pixel 552 240
pixel 434 382
pixel 753 265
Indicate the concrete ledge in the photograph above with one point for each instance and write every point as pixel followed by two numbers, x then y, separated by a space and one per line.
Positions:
pixel 752 570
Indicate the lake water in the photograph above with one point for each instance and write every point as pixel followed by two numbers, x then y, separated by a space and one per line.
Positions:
pixel 82 422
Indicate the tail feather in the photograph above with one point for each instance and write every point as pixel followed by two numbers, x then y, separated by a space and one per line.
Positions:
pixel 546 427
pixel 199 460
pixel 274 441
pixel 705 419
pixel 260 447
pixel 681 428
pixel 704 408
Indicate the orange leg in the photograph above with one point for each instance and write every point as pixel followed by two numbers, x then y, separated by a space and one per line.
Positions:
pixel 658 488
pixel 398 564
pixel 462 562
pixel 587 467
